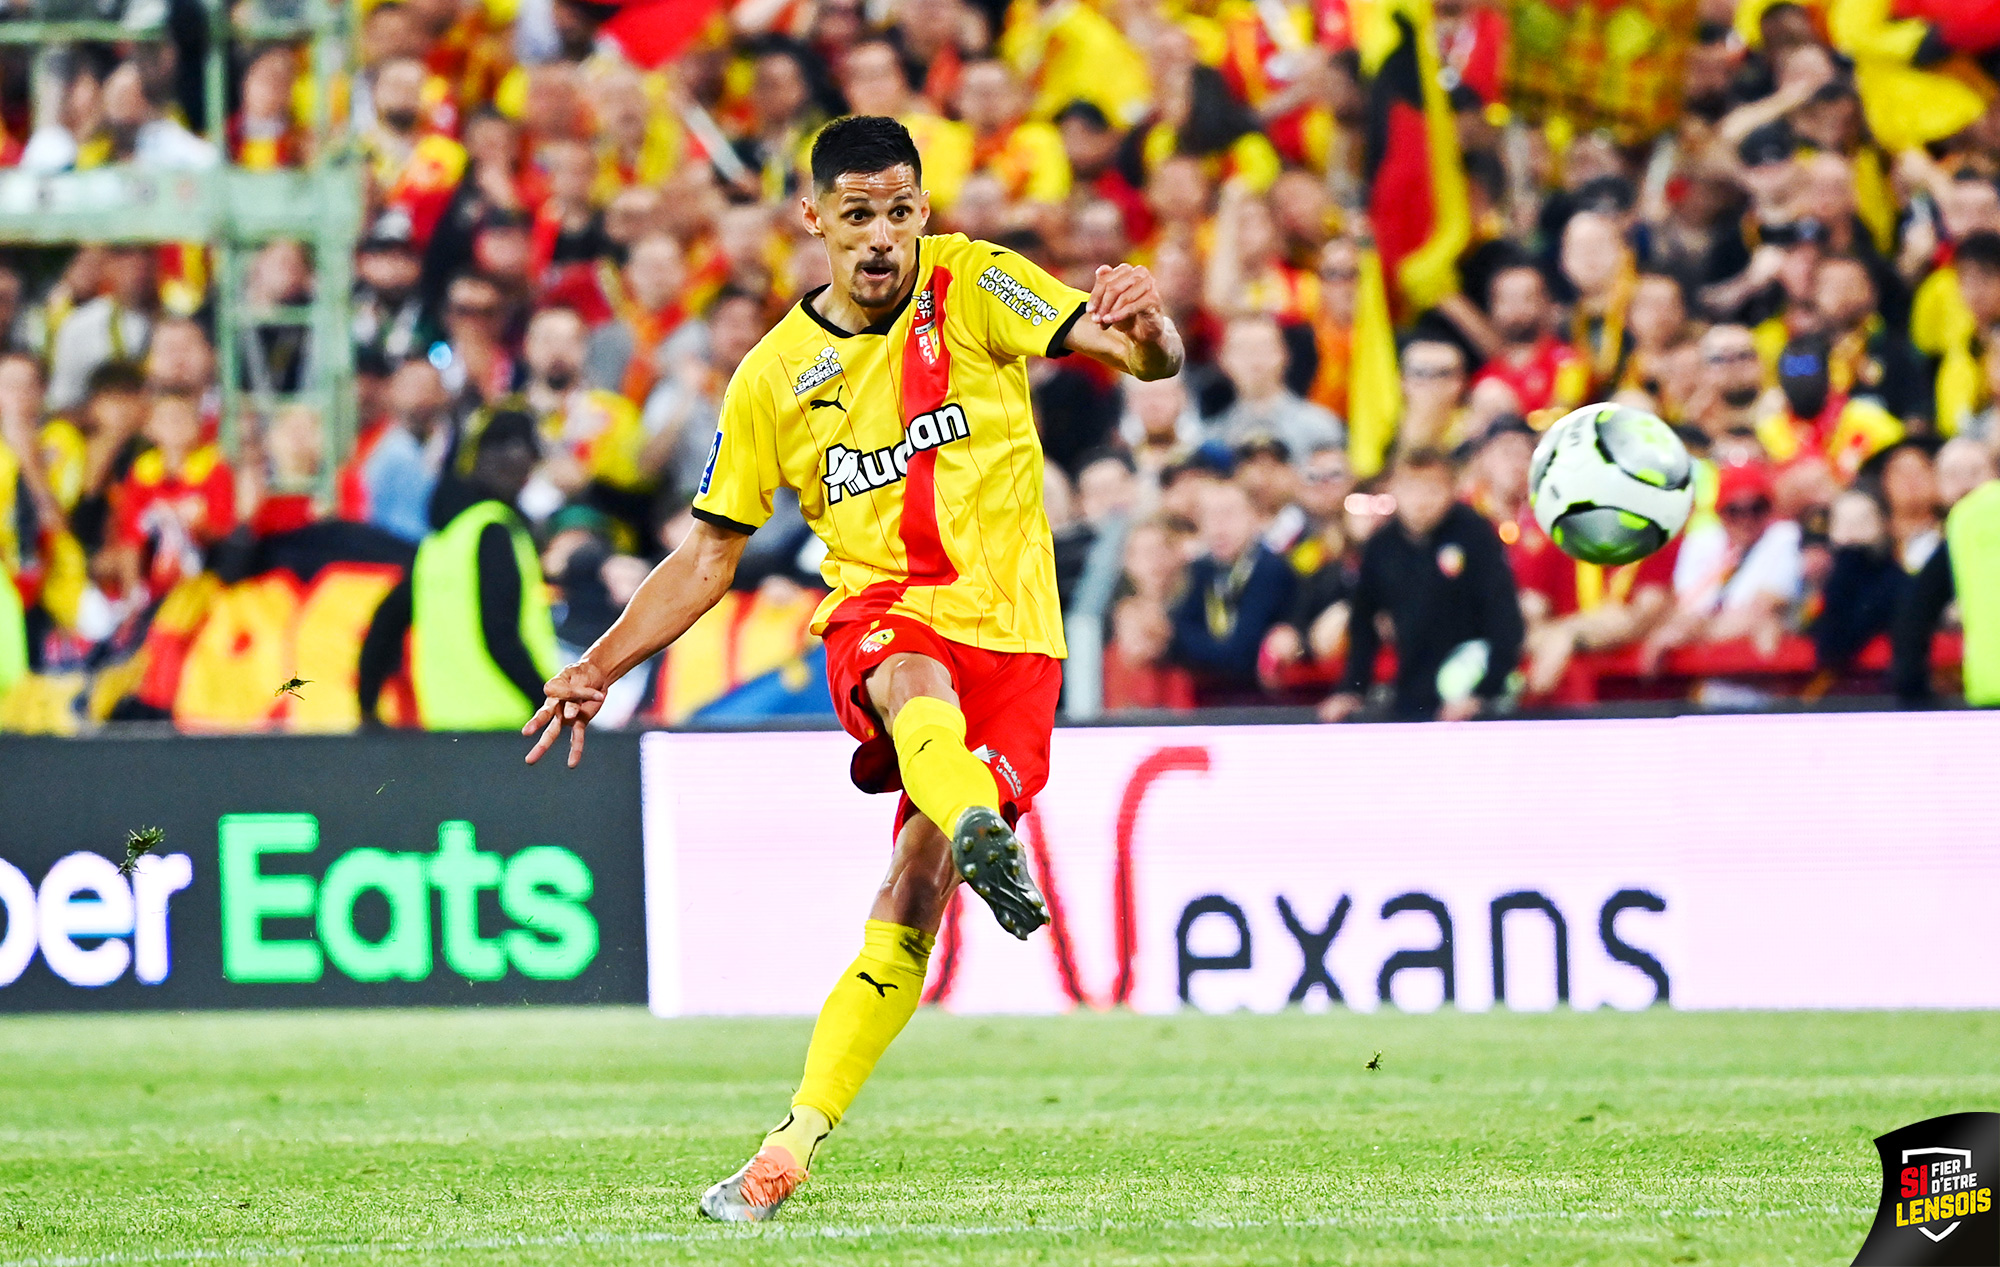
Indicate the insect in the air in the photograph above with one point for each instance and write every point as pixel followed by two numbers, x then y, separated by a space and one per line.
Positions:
pixel 291 688
pixel 1376 1061
pixel 138 844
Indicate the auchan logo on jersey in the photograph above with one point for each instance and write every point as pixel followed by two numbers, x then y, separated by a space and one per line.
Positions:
pixel 850 471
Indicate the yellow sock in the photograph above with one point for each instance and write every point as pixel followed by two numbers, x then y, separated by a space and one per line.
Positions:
pixel 800 1133
pixel 943 779
pixel 875 998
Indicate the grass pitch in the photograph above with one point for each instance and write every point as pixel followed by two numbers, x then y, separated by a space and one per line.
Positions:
pixel 584 1136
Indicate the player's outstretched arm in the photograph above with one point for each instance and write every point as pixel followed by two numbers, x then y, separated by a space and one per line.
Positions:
pixel 685 585
pixel 1126 326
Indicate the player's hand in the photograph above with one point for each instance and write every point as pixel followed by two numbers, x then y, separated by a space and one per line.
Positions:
pixel 574 696
pixel 1340 707
pixel 1126 297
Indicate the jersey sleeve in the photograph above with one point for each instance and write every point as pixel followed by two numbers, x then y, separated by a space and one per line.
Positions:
pixel 742 470
pixel 1018 309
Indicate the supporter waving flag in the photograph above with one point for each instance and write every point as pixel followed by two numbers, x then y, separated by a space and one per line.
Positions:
pixel 1417 193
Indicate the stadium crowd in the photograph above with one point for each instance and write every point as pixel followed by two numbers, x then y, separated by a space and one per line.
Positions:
pixel 1401 239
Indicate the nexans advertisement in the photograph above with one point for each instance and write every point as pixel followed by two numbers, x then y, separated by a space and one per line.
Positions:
pixel 1696 862
pixel 362 871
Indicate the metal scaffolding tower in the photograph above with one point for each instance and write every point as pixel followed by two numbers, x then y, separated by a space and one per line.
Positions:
pixel 230 209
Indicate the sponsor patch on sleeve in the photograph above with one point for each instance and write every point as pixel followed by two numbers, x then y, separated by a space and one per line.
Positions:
pixel 1026 304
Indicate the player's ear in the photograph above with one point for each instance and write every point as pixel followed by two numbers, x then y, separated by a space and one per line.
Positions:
pixel 810 211
pixel 923 210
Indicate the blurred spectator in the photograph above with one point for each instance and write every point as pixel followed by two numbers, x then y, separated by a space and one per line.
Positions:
pixel 592 437
pixel 178 499
pixel 1732 383
pixel 625 352
pixel 1333 324
pixel 1964 570
pixel 402 469
pixel 411 168
pixel 1236 591
pixel 1439 572
pixel 388 309
pixel 1433 395
pixel 484 639
pixel 875 79
pixel 1137 670
pixel 681 414
pixel 475 360
pixel 138 129
pixel 181 362
pixel 264 134
pixel 1546 375
pixel 1962 465
pixel 1869 361
pixel 1025 156
pixel 1908 483
pixel 277 355
pixel 1738 575
pixel 1818 422
pixel 114 326
pixel 1159 425
pixel 1865 584
pixel 1597 263
pixel 1253 356
pixel 1264 471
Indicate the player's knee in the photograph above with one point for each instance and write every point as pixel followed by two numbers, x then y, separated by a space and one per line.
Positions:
pixel 905 676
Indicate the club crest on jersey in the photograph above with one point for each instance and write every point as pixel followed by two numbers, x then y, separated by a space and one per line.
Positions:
pixel 1026 304
pixel 925 328
pixel 876 641
pixel 850 471
pixel 825 367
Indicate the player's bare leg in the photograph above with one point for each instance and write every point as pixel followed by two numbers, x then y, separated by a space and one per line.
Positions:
pixel 879 992
pixel 873 1000
pixel 913 693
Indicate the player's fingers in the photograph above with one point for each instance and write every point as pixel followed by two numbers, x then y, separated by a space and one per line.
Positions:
pixel 576 742
pixel 1135 294
pixel 1097 283
pixel 541 717
pixel 562 688
pixel 546 742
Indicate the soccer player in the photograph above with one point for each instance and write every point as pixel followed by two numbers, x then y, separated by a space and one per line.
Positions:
pixel 895 402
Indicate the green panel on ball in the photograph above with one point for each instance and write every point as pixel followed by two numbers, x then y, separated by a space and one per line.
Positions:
pixel 1644 447
pixel 1604 535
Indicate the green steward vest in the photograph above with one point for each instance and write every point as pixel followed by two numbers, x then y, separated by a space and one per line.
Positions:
pixel 1972 531
pixel 13 635
pixel 458 685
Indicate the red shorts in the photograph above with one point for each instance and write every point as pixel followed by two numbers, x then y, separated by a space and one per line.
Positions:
pixel 1008 698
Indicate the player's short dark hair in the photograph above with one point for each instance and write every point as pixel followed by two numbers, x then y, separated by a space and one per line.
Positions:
pixel 1979 250
pixel 862 143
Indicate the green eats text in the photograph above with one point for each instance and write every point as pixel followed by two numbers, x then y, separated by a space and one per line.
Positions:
pixel 542 889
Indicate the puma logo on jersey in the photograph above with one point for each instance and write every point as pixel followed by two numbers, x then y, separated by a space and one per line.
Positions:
pixel 852 472
pixel 832 403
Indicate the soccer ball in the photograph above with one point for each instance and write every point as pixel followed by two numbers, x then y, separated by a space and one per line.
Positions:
pixel 1611 485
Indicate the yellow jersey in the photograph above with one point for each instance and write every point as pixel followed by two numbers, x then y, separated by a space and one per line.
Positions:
pixel 913 449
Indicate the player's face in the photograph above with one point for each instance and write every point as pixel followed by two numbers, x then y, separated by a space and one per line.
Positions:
pixel 870 222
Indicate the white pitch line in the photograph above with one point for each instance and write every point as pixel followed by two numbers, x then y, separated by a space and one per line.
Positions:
pixel 864 1231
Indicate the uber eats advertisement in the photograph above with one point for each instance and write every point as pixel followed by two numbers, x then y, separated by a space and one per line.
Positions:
pixel 348 871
